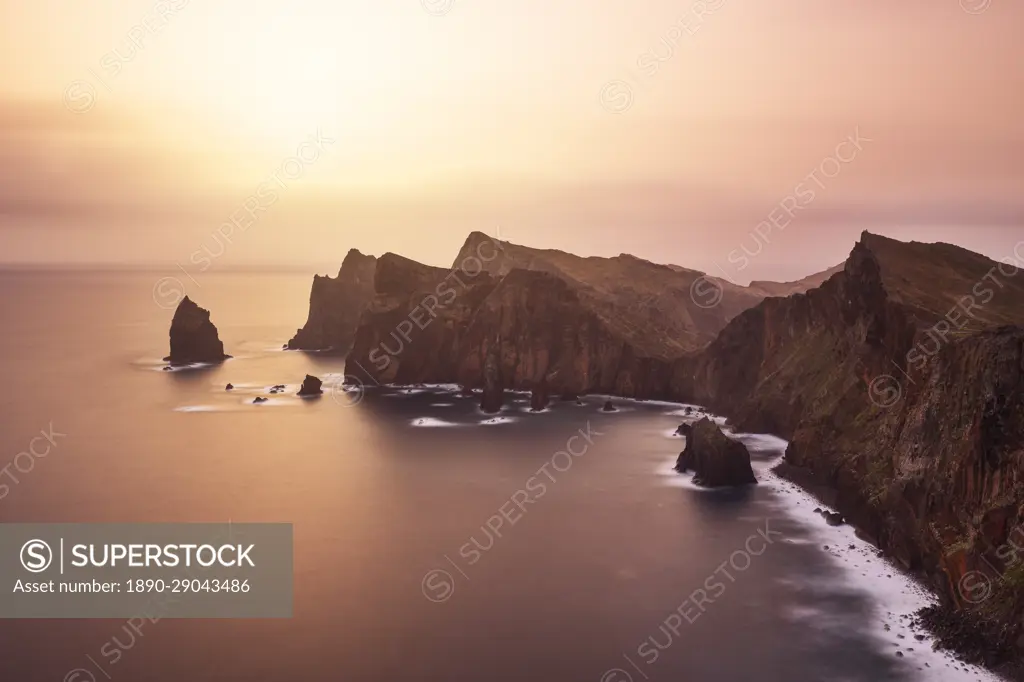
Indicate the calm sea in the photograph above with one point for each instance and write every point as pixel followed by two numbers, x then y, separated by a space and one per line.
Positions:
pixel 425 547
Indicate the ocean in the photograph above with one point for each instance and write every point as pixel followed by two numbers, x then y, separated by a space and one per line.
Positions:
pixel 431 542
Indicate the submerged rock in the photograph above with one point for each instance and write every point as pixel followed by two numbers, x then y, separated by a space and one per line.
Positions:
pixel 193 337
pixel 311 386
pixel 716 459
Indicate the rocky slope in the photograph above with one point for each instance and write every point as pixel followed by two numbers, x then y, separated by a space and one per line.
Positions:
pixel 193 336
pixel 335 306
pixel 783 289
pixel 662 311
pixel 900 385
pixel 613 325
pixel 898 380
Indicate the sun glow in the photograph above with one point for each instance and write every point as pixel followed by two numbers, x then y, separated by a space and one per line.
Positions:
pixel 282 73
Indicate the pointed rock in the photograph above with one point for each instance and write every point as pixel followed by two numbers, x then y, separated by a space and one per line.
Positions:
pixel 311 386
pixel 193 336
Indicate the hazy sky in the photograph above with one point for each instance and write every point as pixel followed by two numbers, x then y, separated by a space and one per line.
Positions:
pixel 132 130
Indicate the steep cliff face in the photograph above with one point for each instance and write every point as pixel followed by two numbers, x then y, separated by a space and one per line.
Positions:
pixel 524 330
pixel 617 325
pixel 193 336
pixel 336 304
pixel 410 331
pixel 662 311
pixel 900 384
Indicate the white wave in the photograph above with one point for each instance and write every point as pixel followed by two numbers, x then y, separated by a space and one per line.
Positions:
pixel 895 595
pixel 199 408
pixel 497 420
pixel 430 422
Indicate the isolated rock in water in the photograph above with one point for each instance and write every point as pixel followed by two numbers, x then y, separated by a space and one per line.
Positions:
pixel 193 336
pixel 608 407
pixel 688 410
pixel 539 397
pixel 259 400
pixel 311 386
pixel 229 387
pixel 716 459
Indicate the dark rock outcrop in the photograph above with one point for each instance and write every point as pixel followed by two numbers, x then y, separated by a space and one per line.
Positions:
pixel 898 383
pixel 605 325
pixel 259 399
pixel 335 306
pixel 684 429
pixel 539 397
pixel 609 406
pixel 493 397
pixel 311 386
pixel 715 459
pixel 194 338
pixel 229 387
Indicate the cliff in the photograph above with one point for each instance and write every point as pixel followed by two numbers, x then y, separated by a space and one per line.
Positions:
pixel 520 331
pixel 193 336
pixel 335 306
pixel 899 385
pixel 609 325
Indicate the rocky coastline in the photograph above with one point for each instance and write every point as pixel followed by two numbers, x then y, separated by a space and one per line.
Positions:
pixel 897 379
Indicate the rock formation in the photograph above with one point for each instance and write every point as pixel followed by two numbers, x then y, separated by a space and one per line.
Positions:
pixel 335 306
pixel 715 459
pixel 493 396
pixel 193 336
pixel 899 384
pixel 311 386
pixel 897 381
pixel 539 396
pixel 611 325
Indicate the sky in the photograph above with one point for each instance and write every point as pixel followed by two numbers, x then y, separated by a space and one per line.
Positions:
pixel 251 132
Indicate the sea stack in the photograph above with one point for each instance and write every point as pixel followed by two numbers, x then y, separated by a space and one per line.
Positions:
pixel 193 337
pixel 539 397
pixel 311 386
pixel 494 393
pixel 716 459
